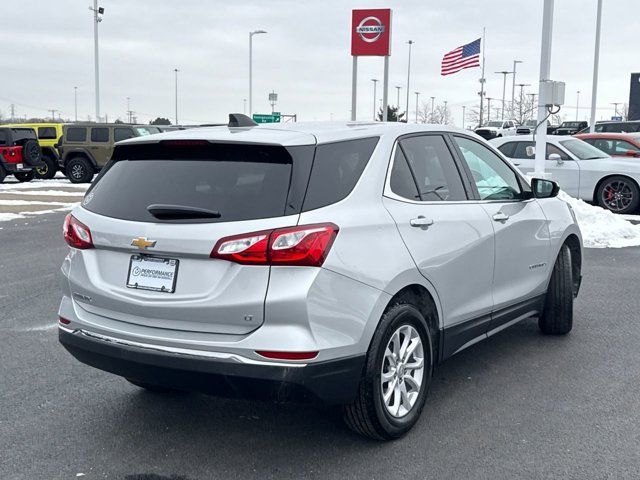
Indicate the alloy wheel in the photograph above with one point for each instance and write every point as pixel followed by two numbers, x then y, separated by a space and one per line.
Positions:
pixel 617 195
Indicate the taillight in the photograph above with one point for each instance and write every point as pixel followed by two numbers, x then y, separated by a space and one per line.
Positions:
pixel 287 355
pixel 305 245
pixel 64 321
pixel 76 233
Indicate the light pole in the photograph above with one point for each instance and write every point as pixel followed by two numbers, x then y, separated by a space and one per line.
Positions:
pixel 577 103
pixel 533 100
pixel 175 71
pixel 545 75
pixel 596 60
pixel 417 95
pixel 504 74
pixel 398 100
pixel 464 112
pixel 446 113
pixel 432 105
pixel 489 108
pixel 406 117
pixel 244 106
pixel 513 86
pixel 251 34
pixel 521 85
pixel 97 18
pixel 375 84
pixel 129 108
pixel 75 102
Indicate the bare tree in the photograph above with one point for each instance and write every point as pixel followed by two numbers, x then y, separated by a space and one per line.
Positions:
pixel 441 114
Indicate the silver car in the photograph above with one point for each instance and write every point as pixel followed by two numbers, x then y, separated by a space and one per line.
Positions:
pixel 336 262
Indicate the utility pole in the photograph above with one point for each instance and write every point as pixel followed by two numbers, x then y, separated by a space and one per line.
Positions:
pixel 75 102
pixel 129 111
pixel 375 84
pixel 464 113
pixel 615 107
pixel 175 72
pixel 513 86
pixel 432 107
pixel 489 109
pixel 577 103
pixel 596 61
pixel 406 115
pixel 545 72
pixel 251 34
pixel 12 108
pixel 417 95
pixel 53 114
pixel 97 18
pixel 504 74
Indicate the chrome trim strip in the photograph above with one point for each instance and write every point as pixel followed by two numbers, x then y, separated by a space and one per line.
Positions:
pixel 229 357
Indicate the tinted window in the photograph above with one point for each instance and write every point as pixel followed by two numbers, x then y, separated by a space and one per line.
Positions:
pixel 433 168
pixel 491 175
pixel 520 150
pixel 76 134
pixel 241 182
pixel 508 149
pixel 336 170
pixel 47 133
pixel 120 133
pixel 401 181
pixel 99 134
pixel 3 138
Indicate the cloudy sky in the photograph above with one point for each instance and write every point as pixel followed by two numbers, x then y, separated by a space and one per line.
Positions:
pixel 48 49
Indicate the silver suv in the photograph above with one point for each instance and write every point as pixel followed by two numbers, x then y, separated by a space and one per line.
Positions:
pixel 333 262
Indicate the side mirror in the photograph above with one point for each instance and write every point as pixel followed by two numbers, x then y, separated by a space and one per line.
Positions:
pixel 543 188
pixel 557 158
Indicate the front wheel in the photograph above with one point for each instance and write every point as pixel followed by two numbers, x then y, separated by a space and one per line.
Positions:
pixel 396 376
pixel 619 194
pixel 557 317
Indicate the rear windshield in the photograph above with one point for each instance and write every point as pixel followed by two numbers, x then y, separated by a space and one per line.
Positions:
pixel 240 182
pixel 20 134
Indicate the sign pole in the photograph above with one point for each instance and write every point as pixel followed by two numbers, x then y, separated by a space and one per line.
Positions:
pixel 385 90
pixel 354 87
pixel 596 59
pixel 545 72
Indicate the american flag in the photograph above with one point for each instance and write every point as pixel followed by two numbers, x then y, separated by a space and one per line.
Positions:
pixel 466 56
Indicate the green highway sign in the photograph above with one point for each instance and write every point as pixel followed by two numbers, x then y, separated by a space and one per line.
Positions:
pixel 266 117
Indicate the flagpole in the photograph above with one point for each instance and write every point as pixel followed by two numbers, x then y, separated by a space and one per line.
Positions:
pixel 482 80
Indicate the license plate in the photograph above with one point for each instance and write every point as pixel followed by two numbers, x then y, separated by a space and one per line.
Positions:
pixel 153 273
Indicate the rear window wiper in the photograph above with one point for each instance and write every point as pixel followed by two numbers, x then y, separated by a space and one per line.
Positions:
pixel 177 212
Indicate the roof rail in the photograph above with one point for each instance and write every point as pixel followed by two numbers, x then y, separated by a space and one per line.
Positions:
pixel 240 120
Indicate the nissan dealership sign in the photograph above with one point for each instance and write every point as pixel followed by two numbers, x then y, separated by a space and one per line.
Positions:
pixel 371 32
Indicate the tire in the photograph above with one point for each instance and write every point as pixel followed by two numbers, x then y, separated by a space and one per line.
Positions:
pixel 557 316
pixel 151 387
pixel 618 194
pixel 49 170
pixel 31 152
pixel 369 415
pixel 24 176
pixel 79 170
pixel 3 174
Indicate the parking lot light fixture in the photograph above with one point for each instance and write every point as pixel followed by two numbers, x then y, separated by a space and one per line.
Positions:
pixel 251 34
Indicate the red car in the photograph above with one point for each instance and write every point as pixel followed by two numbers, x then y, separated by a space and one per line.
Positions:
pixel 615 144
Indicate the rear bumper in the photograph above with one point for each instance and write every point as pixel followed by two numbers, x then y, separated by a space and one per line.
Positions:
pixel 13 167
pixel 328 382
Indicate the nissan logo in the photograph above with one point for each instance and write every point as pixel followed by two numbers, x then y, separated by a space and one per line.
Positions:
pixel 370 29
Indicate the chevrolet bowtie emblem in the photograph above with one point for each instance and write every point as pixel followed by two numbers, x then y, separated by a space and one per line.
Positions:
pixel 143 243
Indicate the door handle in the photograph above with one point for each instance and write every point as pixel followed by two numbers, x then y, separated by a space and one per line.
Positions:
pixel 500 217
pixel 516 164
pixel 421 222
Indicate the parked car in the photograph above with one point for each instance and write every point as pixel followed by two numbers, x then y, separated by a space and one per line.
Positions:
pixel 48 137
pixel 529 126
pixel 626 126
pixel 581 170
pixel 19 153
pixel 86 148
pixel 496 129
pixel 614 144
pixel 311 262
pixel 570 128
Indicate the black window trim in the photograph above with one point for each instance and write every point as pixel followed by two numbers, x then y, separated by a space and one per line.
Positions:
pixel 525 189
pixel 466 185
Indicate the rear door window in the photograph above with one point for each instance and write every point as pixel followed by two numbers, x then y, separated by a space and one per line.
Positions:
pixel 47 133
pixel 507 149
pixel 401 181
pixel 241 182
pixel 336 170
pixel 99 134
pixel 76 134
pixel 122 133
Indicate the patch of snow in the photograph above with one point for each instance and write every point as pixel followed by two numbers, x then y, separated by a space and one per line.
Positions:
pixel 4 217
pixel 601 228
pixel 43 184
pixel 59 193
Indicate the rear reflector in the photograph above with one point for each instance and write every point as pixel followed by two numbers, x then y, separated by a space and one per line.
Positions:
pixel 64 321
pixel 287 355
pixel 304 245
pixel 76 233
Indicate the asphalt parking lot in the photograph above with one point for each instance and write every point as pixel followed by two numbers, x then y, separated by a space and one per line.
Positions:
pixel 519 405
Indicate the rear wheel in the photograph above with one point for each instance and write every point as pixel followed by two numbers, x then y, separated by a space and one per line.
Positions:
pixel 24 176
pixel 79 170
pixel 557 317
pixel 619 194
pixel 49 169
pixel 396 376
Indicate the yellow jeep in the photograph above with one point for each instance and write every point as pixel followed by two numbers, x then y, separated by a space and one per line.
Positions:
pixel 48 137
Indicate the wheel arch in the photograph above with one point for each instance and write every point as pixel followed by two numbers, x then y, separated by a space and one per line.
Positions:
pixel 79 153
pixel 50 152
